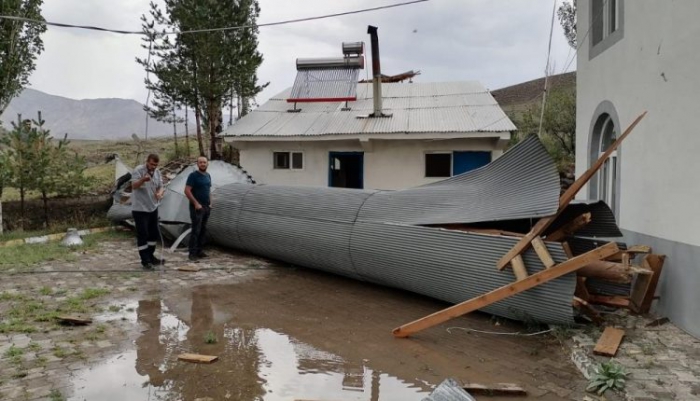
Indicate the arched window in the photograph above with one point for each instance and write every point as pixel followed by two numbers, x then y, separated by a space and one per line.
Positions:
pixel 605 185
pixel 607 176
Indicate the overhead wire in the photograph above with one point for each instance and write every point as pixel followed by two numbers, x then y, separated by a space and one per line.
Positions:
pixel 580 43
pixel 546 69
pixel 228 28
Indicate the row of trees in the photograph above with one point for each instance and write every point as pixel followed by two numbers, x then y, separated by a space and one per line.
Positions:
pixel 31 160
pixel 193 65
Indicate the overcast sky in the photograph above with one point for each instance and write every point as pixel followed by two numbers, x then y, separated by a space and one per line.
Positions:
pixel 497 42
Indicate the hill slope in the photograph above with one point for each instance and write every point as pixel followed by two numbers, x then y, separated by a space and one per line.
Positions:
pixel 86 119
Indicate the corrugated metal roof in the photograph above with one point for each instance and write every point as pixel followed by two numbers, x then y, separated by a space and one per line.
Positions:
pixel 375 236
pixel 523 183
pixel 452 107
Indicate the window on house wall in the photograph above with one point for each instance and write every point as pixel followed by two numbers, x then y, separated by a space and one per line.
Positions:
pixel 288 160
pixel 607 177
pixel 438 165
pixel 605 20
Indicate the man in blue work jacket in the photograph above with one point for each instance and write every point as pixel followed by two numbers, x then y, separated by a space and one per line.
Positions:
pixel 198 190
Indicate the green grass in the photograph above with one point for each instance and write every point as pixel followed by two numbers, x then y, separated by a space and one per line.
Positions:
pixel 30 254
pixel 29 313
pixel 55 229
pixel 56 395
pixel 210 338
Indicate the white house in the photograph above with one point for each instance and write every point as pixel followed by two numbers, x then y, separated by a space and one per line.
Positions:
pixel 635 56
pixel 431 131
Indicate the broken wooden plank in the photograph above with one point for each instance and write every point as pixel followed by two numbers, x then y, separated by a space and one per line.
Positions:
pixel 615 301
pixel 506 291
pixel 519 268
pixel 609 342
pixel 76 320
pixel 567 249
pixel 543 252
pixel 581 290
pixel 565 199
pixel 588 310
pixel 197 358
pixel 570 228
pixel 188 268
pixel 633 250
pixel 644 288
pixel 612 271
pixel 494 389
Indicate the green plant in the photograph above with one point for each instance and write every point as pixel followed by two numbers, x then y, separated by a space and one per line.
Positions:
pixel 45 290
pixel 607 376
pixel 210 338
pixel 56 395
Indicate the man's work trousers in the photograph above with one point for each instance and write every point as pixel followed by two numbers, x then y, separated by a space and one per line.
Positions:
pixel 199 228
pixel 147 234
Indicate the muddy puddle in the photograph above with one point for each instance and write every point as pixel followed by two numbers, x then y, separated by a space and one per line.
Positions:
pixel 255 363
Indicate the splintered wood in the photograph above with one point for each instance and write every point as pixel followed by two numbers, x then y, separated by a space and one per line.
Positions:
pixel 197 358
pixel 609 342
pixel 494 389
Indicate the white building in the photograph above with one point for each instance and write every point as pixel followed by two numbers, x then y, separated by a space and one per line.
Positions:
pixel 435 130
pixel 643 55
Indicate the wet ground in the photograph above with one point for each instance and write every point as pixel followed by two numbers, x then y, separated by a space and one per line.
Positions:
pixel 280 333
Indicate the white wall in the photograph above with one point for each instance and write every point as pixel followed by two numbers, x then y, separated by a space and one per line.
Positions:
pixel 654 67
pixel 389 164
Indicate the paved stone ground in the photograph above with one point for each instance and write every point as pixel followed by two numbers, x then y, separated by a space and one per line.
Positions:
pixel 38 361
pixel 38 364
pixel 663 361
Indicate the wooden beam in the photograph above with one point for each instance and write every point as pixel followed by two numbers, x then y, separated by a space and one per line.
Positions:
pixel 542 252
pixel 570 228
pixel 644 288
pixel 506 291
pixel 615 301
pixel 519 268
pixel 494 389
pixel 581 289
pixel 565 199
pixel 197 358
pixel 588 310
pixel 567 249
pixel 612 271
pixel 632 251
pixel 609 342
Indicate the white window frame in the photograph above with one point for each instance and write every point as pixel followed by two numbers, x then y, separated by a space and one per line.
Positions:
pixel 437 152
pixel 607 178
pixel 613 31
pixel 290 155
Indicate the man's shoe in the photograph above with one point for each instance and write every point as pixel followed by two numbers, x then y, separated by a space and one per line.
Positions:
pixel 193 258
pixel 202 255
pixel 147 266
pixel 157 261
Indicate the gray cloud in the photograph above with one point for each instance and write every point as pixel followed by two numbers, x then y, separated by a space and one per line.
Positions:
pixel 496 42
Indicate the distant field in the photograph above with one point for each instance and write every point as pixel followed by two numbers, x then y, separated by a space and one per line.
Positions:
pixel 130 152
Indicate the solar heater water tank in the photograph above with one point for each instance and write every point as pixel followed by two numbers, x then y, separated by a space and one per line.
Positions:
pixel 357 48
pixel 330 62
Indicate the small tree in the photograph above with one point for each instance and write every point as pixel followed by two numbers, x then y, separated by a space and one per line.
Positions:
pixel 558 125
pixel 18 158
pixel 34 161
pixel 20 44
pixel 567 18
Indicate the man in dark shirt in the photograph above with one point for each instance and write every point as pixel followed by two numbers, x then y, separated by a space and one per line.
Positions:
pixel 197 190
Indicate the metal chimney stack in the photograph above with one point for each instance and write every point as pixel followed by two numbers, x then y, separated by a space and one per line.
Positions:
pixel 376 71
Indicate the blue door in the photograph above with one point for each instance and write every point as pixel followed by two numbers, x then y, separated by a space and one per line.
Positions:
pixel 467 161
pixel 346 170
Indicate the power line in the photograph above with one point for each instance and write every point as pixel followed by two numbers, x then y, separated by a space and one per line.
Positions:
pixel 583 40
pixel 546 68
pixel 228 28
